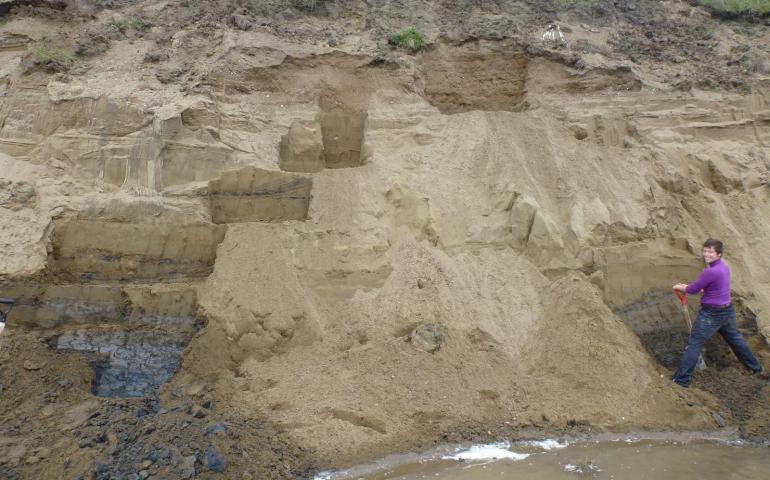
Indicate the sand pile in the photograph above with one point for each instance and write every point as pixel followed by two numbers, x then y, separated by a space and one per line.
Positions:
pixel 344 250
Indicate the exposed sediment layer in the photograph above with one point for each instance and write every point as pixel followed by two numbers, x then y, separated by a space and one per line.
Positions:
pixel 52 306
pixel 470 77
pixel 343 138
pixel 96 249
pixel 256 195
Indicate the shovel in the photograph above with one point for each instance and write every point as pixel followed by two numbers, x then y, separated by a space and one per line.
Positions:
pixel 701 365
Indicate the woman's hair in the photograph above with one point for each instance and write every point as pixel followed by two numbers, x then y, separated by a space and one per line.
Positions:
pixel 715 244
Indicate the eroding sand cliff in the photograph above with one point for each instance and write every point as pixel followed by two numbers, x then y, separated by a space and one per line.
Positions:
pixel 341 255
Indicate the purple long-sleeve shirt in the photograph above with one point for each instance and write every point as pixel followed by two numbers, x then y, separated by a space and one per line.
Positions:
pixel 715 283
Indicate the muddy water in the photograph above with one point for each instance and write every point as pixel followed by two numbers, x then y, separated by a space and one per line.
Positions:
pixel 626 459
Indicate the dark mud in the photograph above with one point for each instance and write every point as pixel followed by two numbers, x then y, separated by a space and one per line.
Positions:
pixel 52 427
pixel 185 440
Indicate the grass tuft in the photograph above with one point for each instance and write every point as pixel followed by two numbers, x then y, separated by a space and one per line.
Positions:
pixel 410 40
pixel 51 59
pixel 132 22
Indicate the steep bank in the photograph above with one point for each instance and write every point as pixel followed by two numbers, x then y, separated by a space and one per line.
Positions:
pixel 348 250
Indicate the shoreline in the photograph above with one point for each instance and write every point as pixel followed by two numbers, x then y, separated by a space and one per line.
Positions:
pixel 727 436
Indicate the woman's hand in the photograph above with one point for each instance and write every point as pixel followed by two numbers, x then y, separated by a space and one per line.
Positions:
pixel 680 286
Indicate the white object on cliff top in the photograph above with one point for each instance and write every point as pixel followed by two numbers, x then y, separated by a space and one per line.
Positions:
pixel 553 34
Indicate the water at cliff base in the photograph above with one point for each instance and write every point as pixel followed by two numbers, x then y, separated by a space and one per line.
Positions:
pixel 611 460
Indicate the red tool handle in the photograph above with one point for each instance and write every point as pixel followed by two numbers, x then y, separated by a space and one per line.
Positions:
pixel 682 296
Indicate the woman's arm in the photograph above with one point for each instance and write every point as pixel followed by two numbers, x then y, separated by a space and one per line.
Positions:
pixel 703 280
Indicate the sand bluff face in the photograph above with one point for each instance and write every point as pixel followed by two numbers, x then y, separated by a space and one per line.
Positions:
pixel 232 225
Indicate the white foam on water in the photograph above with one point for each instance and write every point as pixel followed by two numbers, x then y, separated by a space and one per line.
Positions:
pixel 582 468
pixel 548 444
pixel 495 451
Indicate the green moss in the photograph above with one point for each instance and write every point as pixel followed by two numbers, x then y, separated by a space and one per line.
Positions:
pixel 409 39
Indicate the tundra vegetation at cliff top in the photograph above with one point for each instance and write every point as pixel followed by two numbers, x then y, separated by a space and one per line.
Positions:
pixel 736 8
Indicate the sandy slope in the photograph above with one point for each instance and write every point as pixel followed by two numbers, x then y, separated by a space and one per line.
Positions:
pixel 469 273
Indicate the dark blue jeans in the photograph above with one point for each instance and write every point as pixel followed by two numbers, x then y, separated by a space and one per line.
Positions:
pixel 711 320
